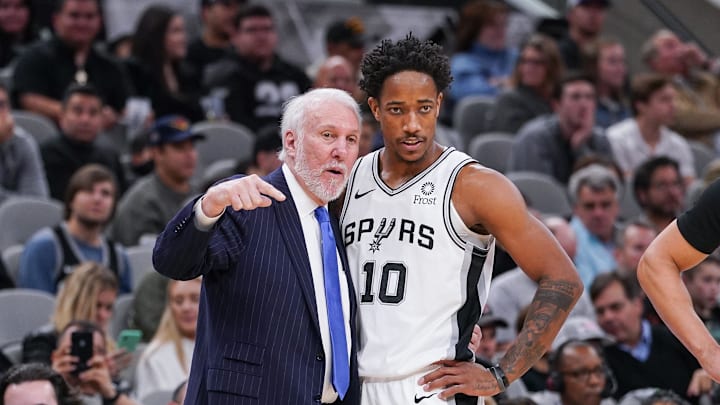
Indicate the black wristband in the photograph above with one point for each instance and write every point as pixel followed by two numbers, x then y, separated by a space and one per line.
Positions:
pixel 500 377
pixel 111 401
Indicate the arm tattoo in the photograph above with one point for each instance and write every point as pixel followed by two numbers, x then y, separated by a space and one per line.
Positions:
pixel 548 310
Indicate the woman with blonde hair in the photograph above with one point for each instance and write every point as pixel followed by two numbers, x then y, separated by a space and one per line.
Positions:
pixel 166 361
pixel 88 294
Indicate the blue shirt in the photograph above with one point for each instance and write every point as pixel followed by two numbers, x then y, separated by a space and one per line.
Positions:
pixel 641 351
pixel 475 71
pixel 593 256
pixel 40 261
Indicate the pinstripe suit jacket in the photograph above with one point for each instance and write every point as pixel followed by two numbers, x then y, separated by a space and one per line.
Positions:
pixel 258 338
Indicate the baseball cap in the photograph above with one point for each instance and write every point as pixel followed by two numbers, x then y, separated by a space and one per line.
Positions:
pixel 172 129
pixel 350 31
pixel 488 319
pixel 580 328
pixel 575 3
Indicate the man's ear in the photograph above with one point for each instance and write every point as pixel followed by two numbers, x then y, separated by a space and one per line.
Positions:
pixel 374 105
pixel 290 140
pixel 440 98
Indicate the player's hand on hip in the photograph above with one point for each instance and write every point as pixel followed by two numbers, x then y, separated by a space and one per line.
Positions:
pixel 460 377
pixel 246 193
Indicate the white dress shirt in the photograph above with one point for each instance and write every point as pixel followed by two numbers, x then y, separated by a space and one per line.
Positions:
pixel 305 207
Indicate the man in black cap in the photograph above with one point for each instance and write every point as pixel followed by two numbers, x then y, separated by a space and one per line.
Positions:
pixel 153 200
pixel 585 23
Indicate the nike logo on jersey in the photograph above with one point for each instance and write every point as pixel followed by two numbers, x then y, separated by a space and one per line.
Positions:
pixel 358 194
pixel 417 400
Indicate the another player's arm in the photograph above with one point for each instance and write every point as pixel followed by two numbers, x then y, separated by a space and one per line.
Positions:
pixel 487 201
pixel 659 275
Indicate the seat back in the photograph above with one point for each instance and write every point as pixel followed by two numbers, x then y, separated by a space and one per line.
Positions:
pixel 11 257
pixel 22 216
pixel 702 155
pixel 122 311
pixel 140 258
pixel 223 140
pixel 544 193
pixel 38 126
pixel 23 311
pixel 492 150
pixel 470 116
pixel 161 397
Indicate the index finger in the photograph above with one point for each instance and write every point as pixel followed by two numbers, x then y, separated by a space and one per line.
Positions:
pixel 270 191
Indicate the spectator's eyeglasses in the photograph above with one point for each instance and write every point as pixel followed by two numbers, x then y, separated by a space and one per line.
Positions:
pixel 667 185
pixel 584 373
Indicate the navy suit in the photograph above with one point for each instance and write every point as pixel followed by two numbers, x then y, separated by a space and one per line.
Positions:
pixel 258 338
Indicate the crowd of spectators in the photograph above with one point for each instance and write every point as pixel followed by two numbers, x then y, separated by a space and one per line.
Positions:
pixel 124 160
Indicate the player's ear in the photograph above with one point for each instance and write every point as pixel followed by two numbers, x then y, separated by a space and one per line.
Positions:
pixel 374 105
pixel 439 101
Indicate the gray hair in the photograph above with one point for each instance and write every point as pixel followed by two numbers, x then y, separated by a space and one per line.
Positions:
pixel 596 177
pixel 297 110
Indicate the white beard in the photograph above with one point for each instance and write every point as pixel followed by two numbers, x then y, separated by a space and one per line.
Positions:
pixel 312 177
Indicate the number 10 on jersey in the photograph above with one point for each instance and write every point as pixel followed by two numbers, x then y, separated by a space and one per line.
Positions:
pixel 392 283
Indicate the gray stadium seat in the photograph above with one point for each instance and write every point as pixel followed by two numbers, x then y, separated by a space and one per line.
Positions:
pixel 702 156
pixel 157 398
pixel 121 314
pixel 23 311
pixel 23 216
pixel 223 140
pixel 544 193
pixel 492 149
pixel 11 257
pixel 40 127
pixel 140 258
pixel 470 116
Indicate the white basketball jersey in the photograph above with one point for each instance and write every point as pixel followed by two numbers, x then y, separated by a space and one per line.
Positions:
pixel 421 276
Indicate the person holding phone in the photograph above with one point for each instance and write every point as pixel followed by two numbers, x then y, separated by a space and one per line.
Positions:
pixel 89 294
pixel 166 361
pixel 80 357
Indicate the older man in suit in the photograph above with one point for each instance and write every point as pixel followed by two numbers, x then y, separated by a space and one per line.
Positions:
pixel 277 311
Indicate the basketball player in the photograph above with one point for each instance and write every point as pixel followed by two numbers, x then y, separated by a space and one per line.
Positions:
pixel 419 222
pixel 680 246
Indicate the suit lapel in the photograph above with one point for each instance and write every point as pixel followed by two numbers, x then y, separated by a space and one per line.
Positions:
pixel 291 230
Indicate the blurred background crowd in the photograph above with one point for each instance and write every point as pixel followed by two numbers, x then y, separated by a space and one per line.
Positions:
pixel 113 114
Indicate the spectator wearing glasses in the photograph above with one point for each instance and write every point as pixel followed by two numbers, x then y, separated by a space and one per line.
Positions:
pixel 255 79
pixel 578 376
pixel 595 193
pixel 538 69
pixel 659 191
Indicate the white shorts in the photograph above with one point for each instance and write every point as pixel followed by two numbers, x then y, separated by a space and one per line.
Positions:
pixel 406 391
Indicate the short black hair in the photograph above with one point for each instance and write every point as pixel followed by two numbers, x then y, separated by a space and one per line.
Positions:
pixel 409 54
pixel 644 172
pixel 27 372
pixel 84 89
pixel 571 77
pixel 252 10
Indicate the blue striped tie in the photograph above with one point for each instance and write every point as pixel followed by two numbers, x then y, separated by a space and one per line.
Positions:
pixel 338 340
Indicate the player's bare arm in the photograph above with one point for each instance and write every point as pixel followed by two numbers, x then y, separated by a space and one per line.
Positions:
pixel 487 200
pixel 659 275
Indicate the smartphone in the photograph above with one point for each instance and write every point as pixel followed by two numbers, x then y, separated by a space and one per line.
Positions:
pixel 82 348
pixel 129 339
